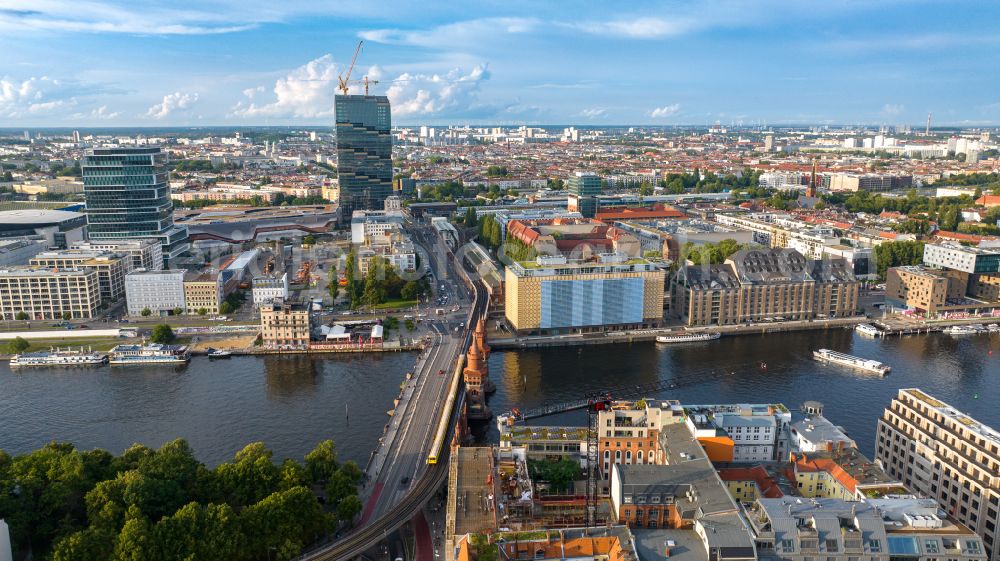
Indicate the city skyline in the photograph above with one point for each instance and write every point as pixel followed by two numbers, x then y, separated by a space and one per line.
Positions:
pixel 652 63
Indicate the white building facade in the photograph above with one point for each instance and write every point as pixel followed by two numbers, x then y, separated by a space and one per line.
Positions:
pixel 159 291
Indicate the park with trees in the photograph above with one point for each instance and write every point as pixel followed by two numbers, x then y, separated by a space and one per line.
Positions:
pixel 157 505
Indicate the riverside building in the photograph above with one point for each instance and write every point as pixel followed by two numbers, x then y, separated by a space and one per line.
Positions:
pixel 49 294
pixel 764 286
pixel 942 453
pixel 553 295
pixel 160 291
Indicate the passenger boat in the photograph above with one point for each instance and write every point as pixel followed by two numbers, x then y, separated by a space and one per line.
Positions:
pixel 216 353
pixel 865 364
pixel 60 357
pixel 964 330
pixel 154 353
pixel 688 338
pixel 993 328
pixel 868 329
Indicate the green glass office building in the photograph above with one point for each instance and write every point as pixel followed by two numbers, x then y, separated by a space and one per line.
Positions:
pixel 583 190
pixel 364 152
pixel 128 197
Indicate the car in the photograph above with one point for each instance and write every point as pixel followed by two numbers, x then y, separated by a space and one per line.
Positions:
pixel 84 326
pixel 440 372
pixel 404 482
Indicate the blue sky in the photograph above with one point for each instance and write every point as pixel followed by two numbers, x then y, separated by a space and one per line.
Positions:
pixel 78 63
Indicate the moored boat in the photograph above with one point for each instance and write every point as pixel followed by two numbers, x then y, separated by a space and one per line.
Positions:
pixel 868 329
pixel 154 353
pixel 865 364
pixel 59 357
pixel 687 338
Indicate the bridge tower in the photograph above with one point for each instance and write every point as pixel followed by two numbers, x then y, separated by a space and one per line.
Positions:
pixel 477 375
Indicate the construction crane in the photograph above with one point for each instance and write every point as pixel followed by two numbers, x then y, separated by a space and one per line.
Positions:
pixel 345 80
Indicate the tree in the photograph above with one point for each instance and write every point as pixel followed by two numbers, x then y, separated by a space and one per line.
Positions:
pixel 333 286
pixel 374 292
pixel 410 326
pixel 134 541
pixel 348 508
pixel 645 189
pixel 321 462
pixel 202 311
pixel 178 311
pixel 250 477
pixel 146 312
pixel 17 345
pixel 895 254
pixel 350 270
pixel 67 316
pixel 162 333
pixel 226 308
pixel 470 218
pixel 21 316
pixel 309 239
pixel 84 545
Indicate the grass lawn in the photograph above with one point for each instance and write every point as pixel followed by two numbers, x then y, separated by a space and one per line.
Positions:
pixel 97 343
pixel 393 304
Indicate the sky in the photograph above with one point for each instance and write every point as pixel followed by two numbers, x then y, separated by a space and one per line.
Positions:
pixel 79 63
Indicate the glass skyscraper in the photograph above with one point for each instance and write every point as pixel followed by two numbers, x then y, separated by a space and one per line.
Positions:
pixel 128 197
pixel 364 152
pixel 583 191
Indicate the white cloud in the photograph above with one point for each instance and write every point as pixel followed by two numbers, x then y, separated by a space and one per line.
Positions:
pixel 95 16
pixel 665 111
pixel 465 33
pixel 593 112
pixel 892 108
pixel 102 113
pixel 307 91
pixel 639 28
pixel 33 96
pixel 171 104
pixel 435 94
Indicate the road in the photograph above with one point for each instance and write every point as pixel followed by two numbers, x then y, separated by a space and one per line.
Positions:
pixel 415 427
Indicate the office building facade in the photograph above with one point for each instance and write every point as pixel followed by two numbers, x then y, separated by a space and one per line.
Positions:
pixel 144 254
pixel 48 294
pixel 942 453
pixel 553 295
pixel 764 286
pixel 111 268
pixel 583 188
pixel 128 197
pixel 364 151
pixel 160 292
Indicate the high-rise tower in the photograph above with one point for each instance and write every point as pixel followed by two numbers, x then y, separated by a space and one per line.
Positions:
pixel 364 151
pixel 128 197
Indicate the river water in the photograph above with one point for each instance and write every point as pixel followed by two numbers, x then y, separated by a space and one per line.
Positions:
pixel 959 371
pixel 291 402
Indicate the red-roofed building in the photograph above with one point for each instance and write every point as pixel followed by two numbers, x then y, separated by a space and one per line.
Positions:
pixel 748 485
pixel 656 211
pixel 988 201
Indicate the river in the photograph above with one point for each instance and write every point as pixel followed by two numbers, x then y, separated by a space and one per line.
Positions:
pixel 959 371
pixel 291 402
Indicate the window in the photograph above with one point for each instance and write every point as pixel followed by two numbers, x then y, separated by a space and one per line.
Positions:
pixel 875 546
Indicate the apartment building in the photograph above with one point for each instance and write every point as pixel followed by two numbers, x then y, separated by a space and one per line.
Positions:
pixel 285 325
pixel 764 285
pixel 903 528
pixel 161 291
pixel 111 268
pixel 684 495
pixel 942 453
pixel 739 433
pixel 553 295
pixel 49 294
pixel 203 291
pixel 629 432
